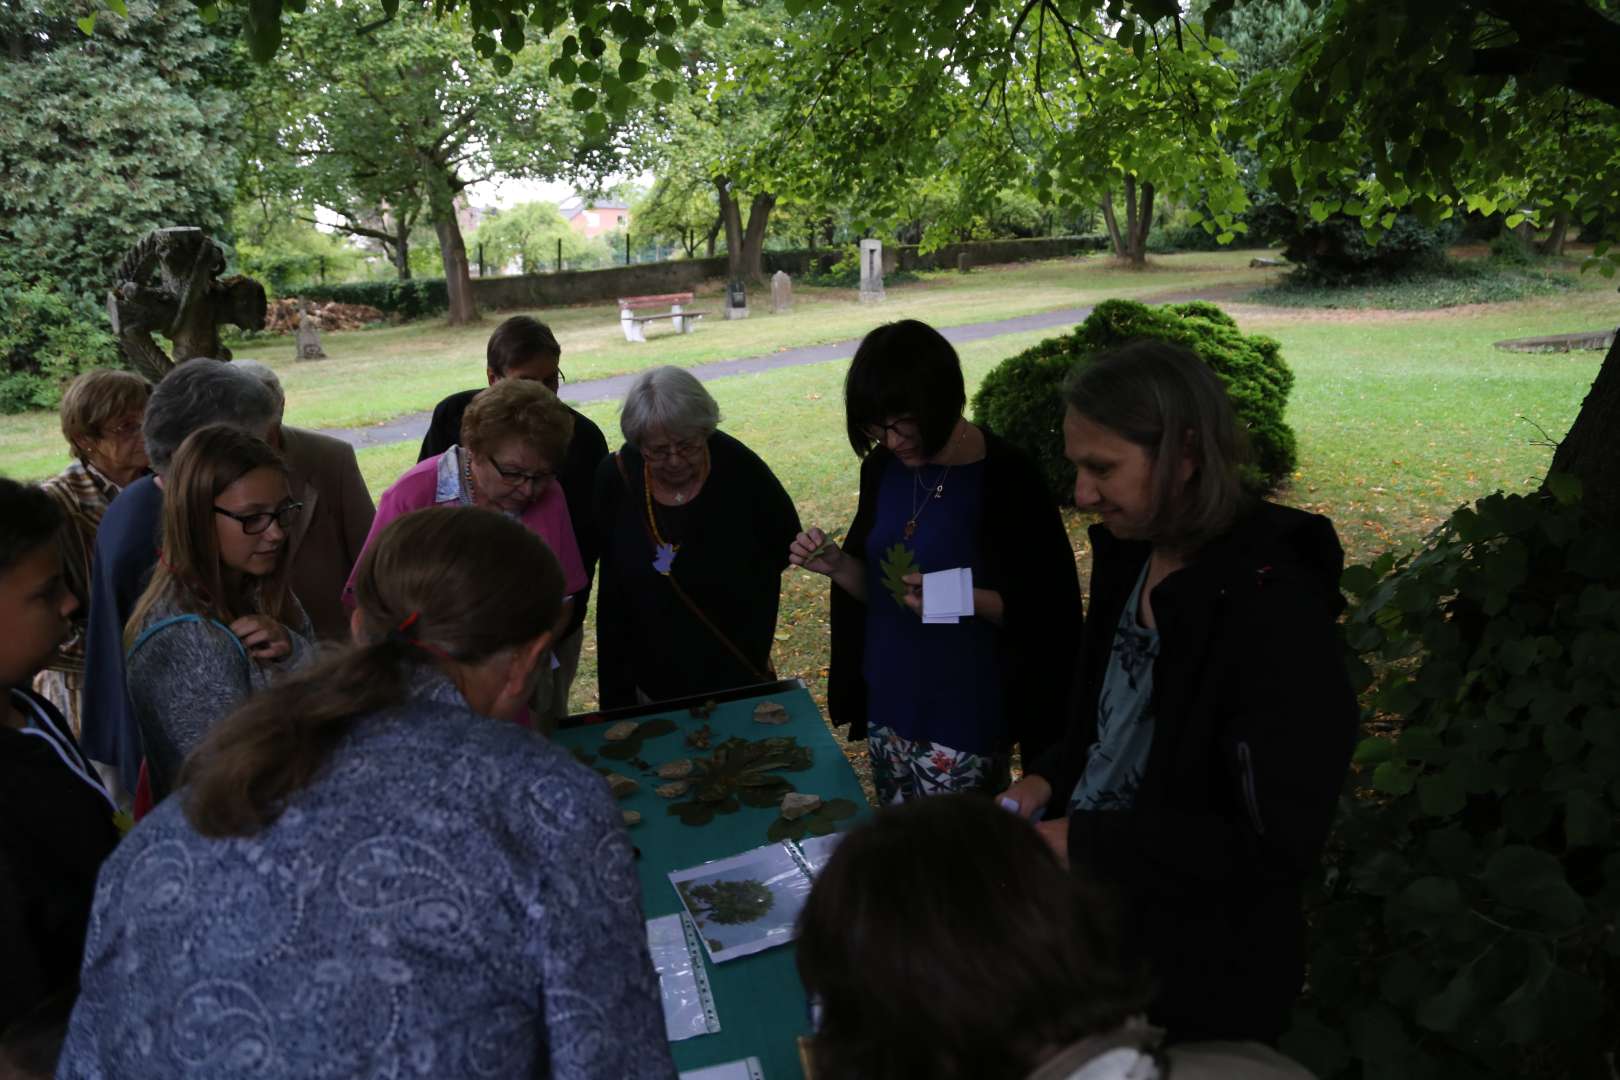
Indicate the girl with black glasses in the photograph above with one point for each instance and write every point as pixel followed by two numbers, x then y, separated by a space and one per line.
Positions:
pixel 217 622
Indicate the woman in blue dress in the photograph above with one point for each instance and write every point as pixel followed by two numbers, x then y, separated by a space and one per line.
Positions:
pixel 942 703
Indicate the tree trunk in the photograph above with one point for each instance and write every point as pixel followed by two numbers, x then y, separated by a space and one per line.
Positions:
pixel 1554 244
pixel 1588 452
pixel 453 253
pixel 1113 225
pixel 1144 225
pixel 402 254
pixel 732 217
pixel 759 214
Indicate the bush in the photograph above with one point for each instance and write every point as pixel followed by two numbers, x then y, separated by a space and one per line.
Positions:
pixel 1511 249
pixel 1453 282
pixel 46 338
pixel 1020 399
pixel 1336 252
pixel 1466 928
pixel 410 299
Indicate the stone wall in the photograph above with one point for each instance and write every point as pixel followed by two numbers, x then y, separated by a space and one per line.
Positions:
pixel 685 275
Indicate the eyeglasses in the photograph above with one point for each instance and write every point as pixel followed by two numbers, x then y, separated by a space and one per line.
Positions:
pixel 554 383
pixel 514 477
pixel 122 431
pixel 686 449
pixel 254 524
pixel 879 433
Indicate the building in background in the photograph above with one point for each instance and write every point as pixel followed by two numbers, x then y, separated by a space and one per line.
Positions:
pixel 592 218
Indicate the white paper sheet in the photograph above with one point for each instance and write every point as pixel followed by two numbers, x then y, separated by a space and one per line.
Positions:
pixel 947 595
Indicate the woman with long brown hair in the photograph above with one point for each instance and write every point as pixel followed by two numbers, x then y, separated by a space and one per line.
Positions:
pixel 370 870
pixel 217 621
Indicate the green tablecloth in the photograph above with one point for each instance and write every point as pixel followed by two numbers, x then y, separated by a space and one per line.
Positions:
pixel 761 1004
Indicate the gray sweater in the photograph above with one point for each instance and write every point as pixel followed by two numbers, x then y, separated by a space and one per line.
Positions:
pixel 186 676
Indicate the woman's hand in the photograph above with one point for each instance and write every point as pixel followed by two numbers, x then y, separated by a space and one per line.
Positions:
pixel 1032 793
pixel 913 597
pixel 262 637
pixel 816 552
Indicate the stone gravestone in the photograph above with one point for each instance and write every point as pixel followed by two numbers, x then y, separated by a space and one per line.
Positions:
pixel 871 271
pixel 781 292
pixel 309 335
pixel 736 300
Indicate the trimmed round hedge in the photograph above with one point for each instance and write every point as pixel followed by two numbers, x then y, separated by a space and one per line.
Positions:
pixel 1021 401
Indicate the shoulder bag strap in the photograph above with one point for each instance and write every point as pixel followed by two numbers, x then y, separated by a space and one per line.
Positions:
pixel 163 624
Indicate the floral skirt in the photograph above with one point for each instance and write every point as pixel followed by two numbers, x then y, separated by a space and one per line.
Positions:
pixel 905 769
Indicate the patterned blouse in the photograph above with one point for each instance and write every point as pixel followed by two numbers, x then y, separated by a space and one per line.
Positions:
pixel 452 897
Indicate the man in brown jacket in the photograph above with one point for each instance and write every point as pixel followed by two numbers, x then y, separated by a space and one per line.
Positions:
pixel 328 536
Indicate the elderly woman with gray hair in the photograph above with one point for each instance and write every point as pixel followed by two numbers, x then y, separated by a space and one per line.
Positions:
pixel 694 530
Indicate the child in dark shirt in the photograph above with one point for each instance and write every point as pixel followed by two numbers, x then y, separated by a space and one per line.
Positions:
pixel 56 820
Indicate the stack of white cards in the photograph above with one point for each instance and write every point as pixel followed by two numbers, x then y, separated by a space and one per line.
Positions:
pixel 947 596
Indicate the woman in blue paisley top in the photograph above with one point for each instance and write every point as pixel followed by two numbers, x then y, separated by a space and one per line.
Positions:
pixel 367 872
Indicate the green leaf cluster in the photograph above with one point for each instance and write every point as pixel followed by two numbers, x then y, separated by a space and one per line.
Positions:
pixel 105 138
pixel 1467 925
pixel 413 298
pixel 1021 398
pixel 45 340
pixel 898 563
pixel 741 773
pixel 821 821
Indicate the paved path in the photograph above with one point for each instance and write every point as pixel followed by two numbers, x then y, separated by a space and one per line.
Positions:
pixel 412 428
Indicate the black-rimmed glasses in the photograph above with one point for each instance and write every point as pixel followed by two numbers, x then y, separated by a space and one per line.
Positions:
pixel 515 477
pixel 254 524
pixel 685 449
pixel 878 433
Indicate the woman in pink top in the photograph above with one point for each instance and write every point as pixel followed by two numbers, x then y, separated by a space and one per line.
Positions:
pixel 513 440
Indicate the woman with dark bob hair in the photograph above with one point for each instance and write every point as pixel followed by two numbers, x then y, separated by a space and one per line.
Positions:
pixel 940 705
pixel 998 965
pixel 1214 717
pixel 370 872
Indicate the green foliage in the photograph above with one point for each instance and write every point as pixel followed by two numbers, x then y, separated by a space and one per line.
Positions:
pixel 1335 250
pixel 1021 399
pixel 527 234
pixel 821 821
pixel 45 340
pixel 898 562
pixel 1467 929
pixel 730 903
pixel 845 272
pixel 1449 284
pixel 279 251
pixel 741 773
pixel 109 136
pixel 413 298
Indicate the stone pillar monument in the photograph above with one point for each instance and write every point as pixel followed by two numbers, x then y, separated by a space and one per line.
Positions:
pixel 871 271
pixel 736 300
pixel 781 292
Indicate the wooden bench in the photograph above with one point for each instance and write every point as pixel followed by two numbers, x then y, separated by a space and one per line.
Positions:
pixel 684 321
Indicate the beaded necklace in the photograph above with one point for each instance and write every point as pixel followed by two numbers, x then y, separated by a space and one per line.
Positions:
pixel 664 551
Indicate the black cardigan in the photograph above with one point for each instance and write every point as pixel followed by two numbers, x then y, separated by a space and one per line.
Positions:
pixel 1255 721
pixel 734 539
pixel 1027 558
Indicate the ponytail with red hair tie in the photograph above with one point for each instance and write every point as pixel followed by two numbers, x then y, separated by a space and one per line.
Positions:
pixel 405 634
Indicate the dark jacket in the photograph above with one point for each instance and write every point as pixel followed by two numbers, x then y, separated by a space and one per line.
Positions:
pixel 126 551
pixel 1027 559
pixel 734 538
pixel 1255 720
pixel 577 476
pixel 56 827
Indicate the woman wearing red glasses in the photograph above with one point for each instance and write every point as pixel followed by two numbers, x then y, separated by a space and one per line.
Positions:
pixel 514 440
pixel 218 621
